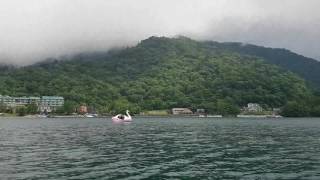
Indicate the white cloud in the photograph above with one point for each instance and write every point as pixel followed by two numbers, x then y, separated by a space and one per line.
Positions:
pixel 35 29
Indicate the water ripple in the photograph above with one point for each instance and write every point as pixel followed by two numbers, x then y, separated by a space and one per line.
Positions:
pixel 160 149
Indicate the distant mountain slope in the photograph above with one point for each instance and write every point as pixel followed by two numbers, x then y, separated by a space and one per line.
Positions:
pixel 160 73
pixel 307 68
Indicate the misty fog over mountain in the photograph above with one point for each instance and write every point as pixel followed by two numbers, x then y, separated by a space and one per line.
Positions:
pixel 36 29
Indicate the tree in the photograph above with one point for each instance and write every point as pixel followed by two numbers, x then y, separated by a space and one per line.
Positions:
pixel 315 111
pixel 210 107
pixel 3 107
pixel 225 108
pixel 32 108
pixel 68 107
pixel 21 111
pixel 295 109
pixel 121 105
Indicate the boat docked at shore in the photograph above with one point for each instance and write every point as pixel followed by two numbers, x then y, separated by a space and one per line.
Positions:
pixel 42 116
pixel 210 116
pixel 90 115
pixel 258 116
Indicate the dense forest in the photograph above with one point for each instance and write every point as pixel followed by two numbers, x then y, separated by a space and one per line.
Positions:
pixel 305 67
pixel 162 73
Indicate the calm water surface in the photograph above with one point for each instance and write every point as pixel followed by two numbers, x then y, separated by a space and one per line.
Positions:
pixel 155 148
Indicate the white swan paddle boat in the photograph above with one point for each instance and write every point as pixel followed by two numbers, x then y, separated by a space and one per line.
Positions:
pixel 122 118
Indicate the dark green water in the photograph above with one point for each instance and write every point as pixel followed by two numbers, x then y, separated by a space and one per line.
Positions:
pixel 160 149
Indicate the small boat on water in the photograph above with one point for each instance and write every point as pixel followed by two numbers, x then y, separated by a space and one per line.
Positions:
pixel 122 118
pixel 90 115
pixel 42 116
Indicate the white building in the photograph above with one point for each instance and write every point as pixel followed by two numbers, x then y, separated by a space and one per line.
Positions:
pixel 177 111
pixel 254 107
pixel 45 103
pixel 22 101
pixel 50 103
pixel 7 101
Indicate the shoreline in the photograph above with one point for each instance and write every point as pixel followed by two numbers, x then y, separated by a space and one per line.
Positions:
pixel 156 116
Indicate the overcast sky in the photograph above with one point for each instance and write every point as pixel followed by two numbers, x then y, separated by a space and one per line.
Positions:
pixel 31 30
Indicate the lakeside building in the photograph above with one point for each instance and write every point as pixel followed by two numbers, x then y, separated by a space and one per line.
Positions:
pixel 22 101
pixel 201 111
pixel 50 103
pixel 181 111
pixel 45 103
pixel 7 101
pixel 254 107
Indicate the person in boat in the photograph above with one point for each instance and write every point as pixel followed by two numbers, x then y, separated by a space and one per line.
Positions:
pixel 121 116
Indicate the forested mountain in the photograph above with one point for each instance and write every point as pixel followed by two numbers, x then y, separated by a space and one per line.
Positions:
pixel 161 73
pixel 306 68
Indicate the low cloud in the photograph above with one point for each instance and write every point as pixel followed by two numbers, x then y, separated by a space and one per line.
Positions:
pixel 33 30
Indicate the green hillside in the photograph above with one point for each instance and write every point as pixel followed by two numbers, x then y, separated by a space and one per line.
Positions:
pixel 306 68
pixel 161 73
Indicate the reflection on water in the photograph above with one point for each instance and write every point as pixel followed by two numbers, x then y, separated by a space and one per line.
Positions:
pixel 160 149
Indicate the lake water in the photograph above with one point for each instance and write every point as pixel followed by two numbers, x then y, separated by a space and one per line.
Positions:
pixel 160 148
